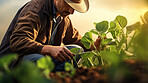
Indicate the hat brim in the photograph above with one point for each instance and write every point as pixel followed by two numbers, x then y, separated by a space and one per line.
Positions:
pixel 82 7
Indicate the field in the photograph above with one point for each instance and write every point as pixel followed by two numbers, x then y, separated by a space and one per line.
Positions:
pixel 120 59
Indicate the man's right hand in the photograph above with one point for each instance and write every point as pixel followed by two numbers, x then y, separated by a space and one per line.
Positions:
pixel 60 53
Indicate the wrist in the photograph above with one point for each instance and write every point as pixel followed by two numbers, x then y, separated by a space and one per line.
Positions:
pixel 45 50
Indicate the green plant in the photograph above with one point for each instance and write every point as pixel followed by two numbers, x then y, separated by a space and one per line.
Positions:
pixel 5 62
pixel 46 65
pixel 126 43
pixel 25 72
pixel 111 50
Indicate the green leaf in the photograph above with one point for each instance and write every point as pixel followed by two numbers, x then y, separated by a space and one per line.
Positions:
pixel 68 66
pixel 87 54
pixel 87 63
pixel 27 72
pixel 105 41
pixel 123 39
pixel 133 27
pixel 86 40
pixel 121 20
pixel 94 31
pixel 45 63
pixel 112 26
pixel 7 59
pixel 113 34
pixel 104 52
pixel 76 51
pixel 88 35
pixel 116 33
pixel 102 26
pixel 113 48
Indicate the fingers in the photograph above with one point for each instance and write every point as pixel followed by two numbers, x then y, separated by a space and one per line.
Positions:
pixel 62 57
pixel 65 55
pixel 59 59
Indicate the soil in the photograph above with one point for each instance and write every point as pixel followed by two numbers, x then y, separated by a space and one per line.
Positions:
pixel 138 73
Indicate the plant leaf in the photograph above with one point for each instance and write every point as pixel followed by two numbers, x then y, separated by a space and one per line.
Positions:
pixel 94 31
pixel 27 72
pixel 68 66
pixel 105 41
pixel 6 60
pixel 76 50
pixel 133 27
pixel 87 54
pixel 121 20
pixel 86 40
pixel 102 26
pixel 46 64
pixel 112 26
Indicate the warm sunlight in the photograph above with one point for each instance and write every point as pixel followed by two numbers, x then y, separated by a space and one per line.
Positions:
pixel 107 10
pixel 99 10
pixel 46 44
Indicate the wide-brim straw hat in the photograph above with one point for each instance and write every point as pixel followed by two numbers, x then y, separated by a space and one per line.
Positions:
pixel 79 5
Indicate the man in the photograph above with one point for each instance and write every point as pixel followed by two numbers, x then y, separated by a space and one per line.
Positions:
pixel 40 27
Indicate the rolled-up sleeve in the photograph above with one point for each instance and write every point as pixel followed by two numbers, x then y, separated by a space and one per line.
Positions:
pixel 26 31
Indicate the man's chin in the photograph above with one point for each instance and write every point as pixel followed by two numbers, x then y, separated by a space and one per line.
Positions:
pixel 64 15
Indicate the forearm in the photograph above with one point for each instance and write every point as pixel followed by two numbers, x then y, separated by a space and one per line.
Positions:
pixel 46 50
pixel 25 46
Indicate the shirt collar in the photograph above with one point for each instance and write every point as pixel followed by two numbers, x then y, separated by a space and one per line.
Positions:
pixel 54 11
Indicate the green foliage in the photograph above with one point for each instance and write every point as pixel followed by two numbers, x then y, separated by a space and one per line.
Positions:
pixel 133 27
pixel 87 54
pixel 112 26
pixel 113 51
pixel 102 26
pixel 105 41
pixel 94 31
pixel 6 60
pixel 76 51
pixel 86 40
pixel 46 65
pixel 70 68
pixel 127 42
pixel 117 47
pixel 26 72
pixel 121 20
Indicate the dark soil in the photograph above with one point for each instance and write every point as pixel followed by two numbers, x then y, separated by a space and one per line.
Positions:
pixel 138 73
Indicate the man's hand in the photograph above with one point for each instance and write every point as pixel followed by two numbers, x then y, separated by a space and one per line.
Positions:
pixel 60 53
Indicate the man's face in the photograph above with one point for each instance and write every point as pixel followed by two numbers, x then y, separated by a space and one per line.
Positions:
pixel 63 8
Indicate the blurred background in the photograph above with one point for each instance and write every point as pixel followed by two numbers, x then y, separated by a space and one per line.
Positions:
pixel 99 10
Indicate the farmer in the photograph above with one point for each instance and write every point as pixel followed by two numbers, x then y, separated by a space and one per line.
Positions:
pixel 39 28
